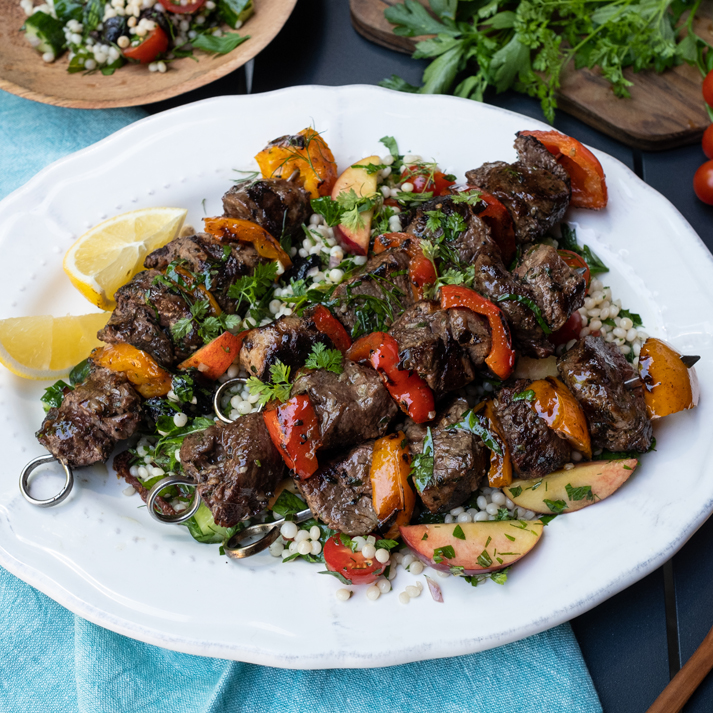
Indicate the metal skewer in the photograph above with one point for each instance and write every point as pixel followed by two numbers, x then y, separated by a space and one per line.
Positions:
pixel 162 485
pixel 269 532
pixel 219 395
pixel 55 499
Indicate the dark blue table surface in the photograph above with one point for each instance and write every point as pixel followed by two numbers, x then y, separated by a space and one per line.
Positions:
pixel 636 641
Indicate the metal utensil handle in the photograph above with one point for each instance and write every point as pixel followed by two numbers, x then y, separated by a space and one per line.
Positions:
pixel 270 531
pixel 56 499
pixel 219 394
pixel 162 485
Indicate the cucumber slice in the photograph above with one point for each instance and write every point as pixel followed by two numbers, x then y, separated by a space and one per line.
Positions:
pixel 47 30
pixel 203 528
pixel 232 12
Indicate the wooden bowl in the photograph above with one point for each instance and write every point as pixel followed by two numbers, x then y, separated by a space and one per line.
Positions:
pixel 23 72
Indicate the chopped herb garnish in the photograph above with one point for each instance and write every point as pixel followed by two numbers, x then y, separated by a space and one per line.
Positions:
pixel 458 532
pixel 556 506
pixel 514 492
pixel 278 388
pixel 422 464
pixel 581 493
pixel 339 576
pixel 528 395
pixel 441 553
pixel 322 358
pixel 484 559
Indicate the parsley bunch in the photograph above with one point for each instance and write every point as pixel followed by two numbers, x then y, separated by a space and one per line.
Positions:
pixel 526 45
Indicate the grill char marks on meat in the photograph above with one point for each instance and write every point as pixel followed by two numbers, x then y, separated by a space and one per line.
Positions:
pixel 384 277
pixel 277 205
pixel 595 372
pixel 535 189
pixel 236 465
pixel 145 311
pixel 91 420
pixel 460 459
pixel 339 493
pixel 557 289
pixel 203 255
pixel 350 407
pixel 444 347
pixel 290 340
pixel 535 449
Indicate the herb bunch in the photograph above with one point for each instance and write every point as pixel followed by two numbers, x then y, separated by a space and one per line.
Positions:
pixel 526 45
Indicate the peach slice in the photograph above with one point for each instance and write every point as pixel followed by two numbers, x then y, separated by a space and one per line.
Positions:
pixel 363 184
pixel 484 546
pixel 571 490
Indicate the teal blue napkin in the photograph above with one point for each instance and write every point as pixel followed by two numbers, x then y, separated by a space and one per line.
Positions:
pixel 54 662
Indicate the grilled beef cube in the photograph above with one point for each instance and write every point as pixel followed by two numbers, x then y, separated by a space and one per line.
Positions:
pixel 236 465
pixel 339 493
pixel 595 372
pixel 91 420
pixel 492 280
pixel 289 339
pixel 146 309
pixel 206 256
pixel 460 459
pixel 535 449
pixel 350 407
pixel 557 289
pixel 535 189
pixel 444 347
pixel 277 205
pixel 381 288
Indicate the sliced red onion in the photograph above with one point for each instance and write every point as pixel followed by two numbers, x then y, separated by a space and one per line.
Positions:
pixel 434 589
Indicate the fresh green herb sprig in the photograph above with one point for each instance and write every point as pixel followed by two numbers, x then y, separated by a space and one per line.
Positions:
pixel 422 464
pixel 568 241
pixel 527 45
pixel 322 358
pixel 279 386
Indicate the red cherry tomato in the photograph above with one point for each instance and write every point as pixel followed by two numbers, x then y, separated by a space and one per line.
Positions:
pixel 156 43
pixel 569 330
pixel 352 565
pixel 703 182
pixel 708 88
pixel 177 7
pixel 708 142
pixel 424 179
pixel 576 262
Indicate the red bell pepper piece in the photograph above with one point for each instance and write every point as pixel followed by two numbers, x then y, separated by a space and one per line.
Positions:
pixel 421 270
pixel 294 430
pixel 501 359
pixel 215 358
pixel 407 388
pixel 328 324
pixel 589 186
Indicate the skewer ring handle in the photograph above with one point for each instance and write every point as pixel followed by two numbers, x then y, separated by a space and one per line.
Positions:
pixel 54 500
pixel 219 395
pixel 181 516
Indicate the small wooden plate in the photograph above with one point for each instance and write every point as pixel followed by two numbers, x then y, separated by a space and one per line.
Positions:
pixel 23 72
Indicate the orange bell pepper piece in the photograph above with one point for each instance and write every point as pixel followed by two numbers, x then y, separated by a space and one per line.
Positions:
pixel 308 153
pixel 501 359
pixel 190 283
pixel 391 492
pixel 500 472
pixel 555 404
pixel 589 186
pixel 215 358
pixel 236 229
pixel 140 368
pixel 294 430
pixel 669 386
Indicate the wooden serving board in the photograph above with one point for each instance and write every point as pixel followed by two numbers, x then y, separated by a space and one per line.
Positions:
pixel 665 110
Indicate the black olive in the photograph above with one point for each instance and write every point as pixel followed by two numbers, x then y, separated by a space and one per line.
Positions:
pixel 114 28
pixel 300 267
pixel 157 17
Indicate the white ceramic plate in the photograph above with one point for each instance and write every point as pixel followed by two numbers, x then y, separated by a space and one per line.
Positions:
pixel 101 556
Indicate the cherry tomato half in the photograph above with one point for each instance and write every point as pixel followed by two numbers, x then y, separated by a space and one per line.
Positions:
pixel 708 88
pixel 424 179
pixel 576 262
pixel 703 182
pixel 708 142
pixel 352 565
pixel 180 9
pixel 568 331
pixel 156 43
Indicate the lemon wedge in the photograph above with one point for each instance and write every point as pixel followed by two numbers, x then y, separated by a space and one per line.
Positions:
pixel 111 253
pixel 48 347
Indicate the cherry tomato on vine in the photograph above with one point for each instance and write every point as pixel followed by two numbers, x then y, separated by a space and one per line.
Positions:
pixel 703 182
pixel 708 142
pixel 352 565
pixel 708 88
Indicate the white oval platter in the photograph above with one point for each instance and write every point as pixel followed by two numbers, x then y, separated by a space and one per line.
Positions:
pixel 102 557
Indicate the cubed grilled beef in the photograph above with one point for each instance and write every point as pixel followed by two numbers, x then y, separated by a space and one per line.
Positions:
pixel 380 292
pixel 146 309
pixel 493 281
pixel 535 449
pixel 460 460
pixel 92 419
pixel 277 205
pixel 444 347
pixel 219 263
pixel 339 493
pixel 556 288
pixel 236 465
pixel 289 339
pixel 595 372
pixel 350 407
pixel 535 189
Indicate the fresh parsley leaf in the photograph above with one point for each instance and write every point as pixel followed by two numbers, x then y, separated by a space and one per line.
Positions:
pixel 54 395
pixel 422 464
pixel 339 576
pixel 501 576
pixel 398 84
pixel 80 373
pixel 278 388
pixel 583 492
pixel 329 209
pixel 514 492
pixel 528 395
pixel 441 553
pixel 347 542
pixel 546 519
pixel 182 385
pixel 635 318
pixel 458 532
pixel 322 358
pixel 249 290
pixel 288 503
pixel 556 506
pixel 391 145
pixel 219 45
pixel 477 424
pixel 484 559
